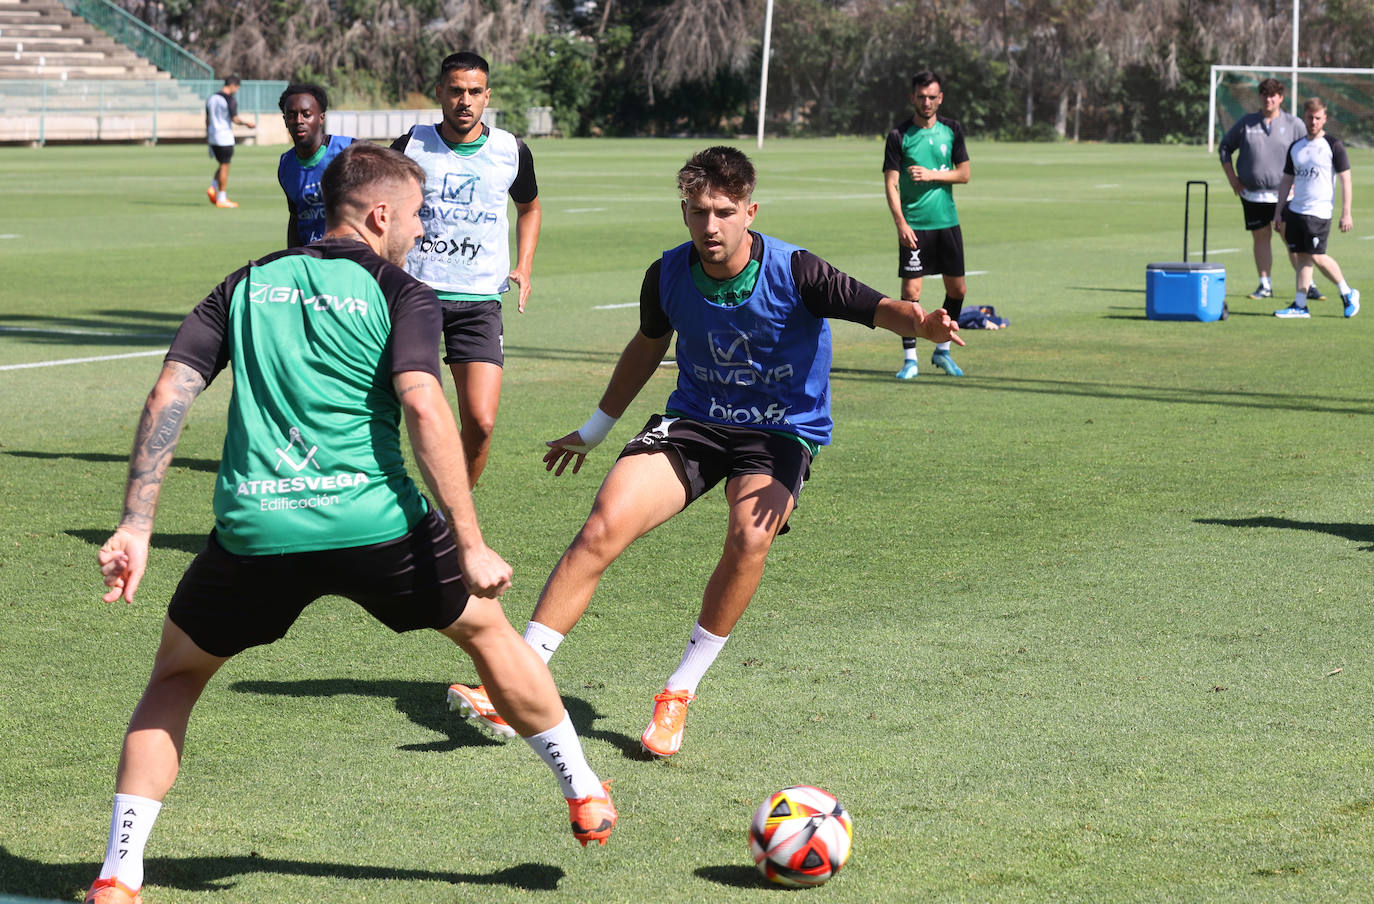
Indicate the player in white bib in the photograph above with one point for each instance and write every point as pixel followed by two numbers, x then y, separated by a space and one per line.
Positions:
pixel 1313 165
pixel 472 171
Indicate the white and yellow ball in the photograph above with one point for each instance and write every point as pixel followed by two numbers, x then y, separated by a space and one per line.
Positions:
pixel 800 836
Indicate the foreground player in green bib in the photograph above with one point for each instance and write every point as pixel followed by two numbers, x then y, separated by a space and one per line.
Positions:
pixel 332 348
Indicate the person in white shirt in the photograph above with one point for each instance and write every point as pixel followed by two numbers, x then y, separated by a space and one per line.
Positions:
pixel 1313 165
pixel 221 115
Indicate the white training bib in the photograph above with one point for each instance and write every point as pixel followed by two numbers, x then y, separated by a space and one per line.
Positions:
pixel 466 246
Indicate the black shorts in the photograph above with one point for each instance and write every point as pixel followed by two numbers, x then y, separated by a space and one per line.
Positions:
pixel 937 252
pixel 704 454
pixel 228 603
pixel 222 153
pixel 472 332
pixel 1258 214
pixel 1304 234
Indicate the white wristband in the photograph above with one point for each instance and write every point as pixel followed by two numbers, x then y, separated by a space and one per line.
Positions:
pixel 596 428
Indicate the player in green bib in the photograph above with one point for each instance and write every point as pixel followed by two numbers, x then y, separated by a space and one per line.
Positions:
pixel 923 159
pixel 332 349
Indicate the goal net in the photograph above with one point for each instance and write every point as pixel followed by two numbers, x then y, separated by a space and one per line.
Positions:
pixel 1348 93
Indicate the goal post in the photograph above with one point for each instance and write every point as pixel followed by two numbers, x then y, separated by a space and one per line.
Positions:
pixel 1348 93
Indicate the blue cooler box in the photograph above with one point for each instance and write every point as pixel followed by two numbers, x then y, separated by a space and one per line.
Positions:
pixel 1185 291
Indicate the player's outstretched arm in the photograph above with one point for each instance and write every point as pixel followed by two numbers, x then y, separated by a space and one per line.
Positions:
pixel 439 455
pixel 637 364
pixel 124 556
pixel 908 319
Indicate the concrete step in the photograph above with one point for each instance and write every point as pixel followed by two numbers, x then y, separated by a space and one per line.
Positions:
pixel 68 46
pixel 85 71
pixel 42 42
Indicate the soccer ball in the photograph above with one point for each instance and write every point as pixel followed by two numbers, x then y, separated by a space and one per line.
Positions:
pixel 800 836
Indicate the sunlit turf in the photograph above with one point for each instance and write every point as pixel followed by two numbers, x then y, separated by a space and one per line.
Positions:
pixel 1087 624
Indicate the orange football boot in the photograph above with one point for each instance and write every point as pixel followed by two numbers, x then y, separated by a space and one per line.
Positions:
pixel 592 818
pixel 111 891
pixel 473 704
pixel 663 737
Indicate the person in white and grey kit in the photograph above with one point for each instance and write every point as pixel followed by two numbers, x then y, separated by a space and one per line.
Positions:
pixel 1315 163
pixel 221 114
pixel 1262 139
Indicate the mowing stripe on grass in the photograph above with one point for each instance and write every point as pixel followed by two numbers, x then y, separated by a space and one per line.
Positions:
pixel 53 332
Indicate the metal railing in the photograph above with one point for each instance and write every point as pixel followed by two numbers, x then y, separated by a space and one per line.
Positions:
pixel 35 111
pixel 135 34
pixel 254 96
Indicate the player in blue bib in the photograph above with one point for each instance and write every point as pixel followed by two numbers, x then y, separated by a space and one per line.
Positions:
pixel 301 168
pixel 751 409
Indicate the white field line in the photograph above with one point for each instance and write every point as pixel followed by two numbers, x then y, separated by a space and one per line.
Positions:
pixel 160 351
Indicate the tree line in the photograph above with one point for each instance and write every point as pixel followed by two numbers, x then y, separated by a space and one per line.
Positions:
pixel 1113 70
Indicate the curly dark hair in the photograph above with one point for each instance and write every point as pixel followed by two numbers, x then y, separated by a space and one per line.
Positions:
pixel 314 91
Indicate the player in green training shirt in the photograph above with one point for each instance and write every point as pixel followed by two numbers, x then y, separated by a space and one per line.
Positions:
pixel 925 156
pixel 332 351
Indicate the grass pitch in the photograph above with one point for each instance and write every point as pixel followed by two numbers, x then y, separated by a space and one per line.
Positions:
pixel 1088 624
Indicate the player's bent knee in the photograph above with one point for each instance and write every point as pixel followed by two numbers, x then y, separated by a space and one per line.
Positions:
pixel 751 542
pixel 480 616
pixel 596 541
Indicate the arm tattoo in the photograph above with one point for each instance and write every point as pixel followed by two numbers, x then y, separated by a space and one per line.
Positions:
pixel 159 428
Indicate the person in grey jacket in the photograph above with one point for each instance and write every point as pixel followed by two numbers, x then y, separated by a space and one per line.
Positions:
pixel 1263 139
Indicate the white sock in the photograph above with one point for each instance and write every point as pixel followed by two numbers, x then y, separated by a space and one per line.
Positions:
pixel 1264 283
pixel 221 195
pixel 130 825
pixel 909 353
pixel 562 751
pixel 543 639
pixel 702 650
pixel 1344 288
pixel 942 347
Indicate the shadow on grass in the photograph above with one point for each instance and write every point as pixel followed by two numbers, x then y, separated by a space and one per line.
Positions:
pixel 1359 533
pixel 67 881
pixel 208 465
pixel 112 327
pixel 584 716
pixel 735 876
pixel 187 543
pixel 424 703
pixel 562 354
pixel 1230 398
